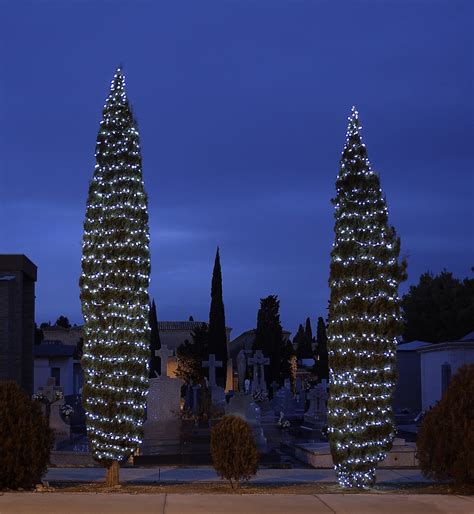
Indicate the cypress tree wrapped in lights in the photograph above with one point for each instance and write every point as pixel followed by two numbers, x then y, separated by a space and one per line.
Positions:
pixel 364 318
pixel 114 289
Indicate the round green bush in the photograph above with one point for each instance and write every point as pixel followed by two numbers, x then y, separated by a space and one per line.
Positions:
pixel 445 446
pixel 234 453
pixel 25 438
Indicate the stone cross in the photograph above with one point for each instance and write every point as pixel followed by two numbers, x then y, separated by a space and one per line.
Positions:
pixel 163 353
pixel 212 364
pixel 50 389
pixel 259 361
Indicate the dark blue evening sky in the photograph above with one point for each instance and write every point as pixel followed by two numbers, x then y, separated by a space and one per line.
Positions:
pixel 242 109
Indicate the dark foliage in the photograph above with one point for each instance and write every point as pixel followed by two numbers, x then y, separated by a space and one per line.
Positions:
pixel 269 339
pixel 155 342
pixel 217 339
pixel 439 308
pixel 25 438
pixel 234 453
pixel 39 336
pixel 445 446
pixel 63 321
pixel 191 354
pixel 321 367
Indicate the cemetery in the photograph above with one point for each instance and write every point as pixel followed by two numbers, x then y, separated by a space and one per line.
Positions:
pixel 188 234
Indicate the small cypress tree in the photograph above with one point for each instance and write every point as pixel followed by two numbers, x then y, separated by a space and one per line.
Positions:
pixel 217 337
pixel 445 445
pixel 364 319
pixel 25 438
pixel 114 289
pixel 234 453
pixel 155 342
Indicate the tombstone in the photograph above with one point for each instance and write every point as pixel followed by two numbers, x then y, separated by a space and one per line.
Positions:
pixel 259 362
pixel 196 389
pixel 247 384
pixel 55 398
pixel 287 383
pixel 217 393
pixel 163 420
pixel 243 406
pixel 283 401
pixel 317 411
pixel 212 364
pixel 241 369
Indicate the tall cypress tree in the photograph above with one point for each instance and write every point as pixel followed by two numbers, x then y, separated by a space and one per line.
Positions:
pixel 364 318
pixel 308 331
pixel 217 337
pixel 155 342
pixel 321 365
pixel 114 288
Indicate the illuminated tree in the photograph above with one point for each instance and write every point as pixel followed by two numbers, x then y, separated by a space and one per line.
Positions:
pixel 364 318
pixel 114 289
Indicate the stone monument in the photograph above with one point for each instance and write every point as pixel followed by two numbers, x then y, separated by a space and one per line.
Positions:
pixel 217 393
pixel 54 398
pixel 259 362
pixel 163 421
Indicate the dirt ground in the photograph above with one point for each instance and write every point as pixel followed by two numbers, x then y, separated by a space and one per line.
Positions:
pixel 225 488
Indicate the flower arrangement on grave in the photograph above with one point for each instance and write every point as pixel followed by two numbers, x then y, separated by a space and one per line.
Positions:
pixel 66 410
pixel 260 395
pixel 283 422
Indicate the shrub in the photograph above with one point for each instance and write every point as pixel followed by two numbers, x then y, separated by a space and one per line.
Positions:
pixel 446 437
pixel 25 438
pixel 234 453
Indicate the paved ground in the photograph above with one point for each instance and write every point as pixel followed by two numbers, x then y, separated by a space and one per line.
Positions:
pixel 207 474
pixel 72 503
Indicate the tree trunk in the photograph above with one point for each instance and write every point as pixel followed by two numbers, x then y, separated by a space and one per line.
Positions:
pixel 112 478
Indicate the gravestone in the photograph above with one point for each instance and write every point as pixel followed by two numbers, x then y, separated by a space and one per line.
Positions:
pixel 241 369
pixel 243 406
pixel 316 414
pixel 217 393
pixel 283 401
pixel 258 361
pixel 55 397
pixel 163 421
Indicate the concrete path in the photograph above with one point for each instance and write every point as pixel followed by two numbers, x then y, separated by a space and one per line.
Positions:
pixel 73 503
pixel 207 474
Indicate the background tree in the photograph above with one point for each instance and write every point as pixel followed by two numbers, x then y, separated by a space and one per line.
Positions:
pixel 269 339
pixel 217 338
pixel 364 318
pixel 321 367
pixel 191 354
pixel 63 321
pixel 445 445
pixel 303 341
pixel 114 289
pixel 439 308
pixel 26 439
pixel 155 342
pixel 299 341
